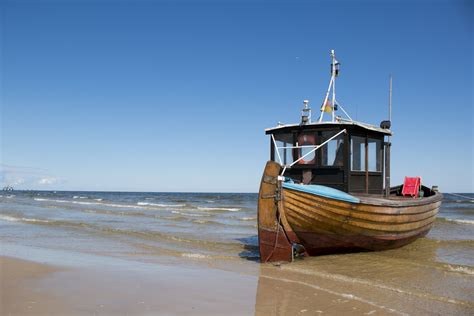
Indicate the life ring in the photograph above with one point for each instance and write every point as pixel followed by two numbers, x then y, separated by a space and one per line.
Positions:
pixel 306 140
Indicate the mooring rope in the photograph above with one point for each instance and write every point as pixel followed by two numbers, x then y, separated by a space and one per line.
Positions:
pixel 276 238
pixel 463 196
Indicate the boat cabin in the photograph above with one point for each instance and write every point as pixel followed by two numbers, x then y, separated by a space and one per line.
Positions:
pixel 341 153
pixel 345 155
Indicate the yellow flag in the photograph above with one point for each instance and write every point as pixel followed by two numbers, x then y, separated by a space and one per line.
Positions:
pixel 327 107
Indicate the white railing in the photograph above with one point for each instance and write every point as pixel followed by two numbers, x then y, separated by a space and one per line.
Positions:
pixel 315 147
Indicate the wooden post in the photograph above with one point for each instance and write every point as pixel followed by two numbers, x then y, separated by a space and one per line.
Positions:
pixel 387 168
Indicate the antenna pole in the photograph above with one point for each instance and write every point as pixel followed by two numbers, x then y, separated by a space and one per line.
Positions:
pixel 388 144
pixel 390 101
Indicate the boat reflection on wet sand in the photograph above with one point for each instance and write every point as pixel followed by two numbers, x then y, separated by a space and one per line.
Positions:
pixel 370 283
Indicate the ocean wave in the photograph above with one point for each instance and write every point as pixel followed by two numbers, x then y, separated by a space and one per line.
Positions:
pixel 201 221
pixel 22 219
pixel 248 218
pixel 90 203
pixel 194 255
pixel 9 218
pixel 79 197
pixel 230 209
pixel 191 214
pixel 209 222
pixel 460 269
pixel 461 221
pixel 188 241
pixel 159 204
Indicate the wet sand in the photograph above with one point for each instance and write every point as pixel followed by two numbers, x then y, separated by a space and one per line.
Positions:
pixel 30 288
pixel 19 296
pixel 304 287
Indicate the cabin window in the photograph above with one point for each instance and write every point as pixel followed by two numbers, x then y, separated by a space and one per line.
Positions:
pixel 307 142
pixel 282 141
pixel 375 154
pixel 357 153
pixel 332 153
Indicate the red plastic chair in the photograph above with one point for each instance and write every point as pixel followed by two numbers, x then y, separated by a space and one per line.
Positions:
pixel 411 186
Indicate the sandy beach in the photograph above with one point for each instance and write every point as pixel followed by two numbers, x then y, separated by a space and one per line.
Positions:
pixel 31 288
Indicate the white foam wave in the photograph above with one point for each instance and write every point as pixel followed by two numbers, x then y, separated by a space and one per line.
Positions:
pixel 89 203
pixel 462 221
pixel 191 214
pixel 465 270
pixel 98 200
pixel 9 218
pixel 230 209
pixel 159 204
pixel 22 219
pixel 40 199
pixel 108 204
pixel 79 197
pixel 248 218
pixel 194 255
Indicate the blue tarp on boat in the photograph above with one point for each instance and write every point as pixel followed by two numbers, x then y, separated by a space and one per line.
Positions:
pixel 321 190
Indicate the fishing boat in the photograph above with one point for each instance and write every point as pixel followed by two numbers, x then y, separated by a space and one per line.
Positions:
pixel 326 188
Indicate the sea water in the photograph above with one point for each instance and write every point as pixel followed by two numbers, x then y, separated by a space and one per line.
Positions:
pixel 191 225
pixel 138 225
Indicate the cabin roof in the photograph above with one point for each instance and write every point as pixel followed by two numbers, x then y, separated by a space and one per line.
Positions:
pixel 344 123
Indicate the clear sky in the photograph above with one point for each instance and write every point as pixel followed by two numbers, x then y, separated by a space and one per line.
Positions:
pixel 175 95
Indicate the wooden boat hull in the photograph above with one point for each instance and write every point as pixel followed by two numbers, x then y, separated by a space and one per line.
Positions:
pixel 326 225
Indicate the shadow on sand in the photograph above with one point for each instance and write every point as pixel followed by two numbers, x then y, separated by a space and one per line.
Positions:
pixel 250 246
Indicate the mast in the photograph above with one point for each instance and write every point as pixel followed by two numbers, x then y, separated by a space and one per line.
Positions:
pixel 388 144
pixel 332 84
pixel 390 101
pixel 333 72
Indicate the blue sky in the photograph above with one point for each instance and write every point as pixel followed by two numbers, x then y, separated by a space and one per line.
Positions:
pixel 175 96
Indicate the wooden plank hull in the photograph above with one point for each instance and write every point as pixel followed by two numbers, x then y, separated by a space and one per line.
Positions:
pixel 273 242
pixel 324 225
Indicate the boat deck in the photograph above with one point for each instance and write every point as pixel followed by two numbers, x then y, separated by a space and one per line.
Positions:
pixel 396 200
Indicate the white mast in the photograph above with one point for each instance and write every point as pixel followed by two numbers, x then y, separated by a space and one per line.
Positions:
pixel 390 101
pixel 332 84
